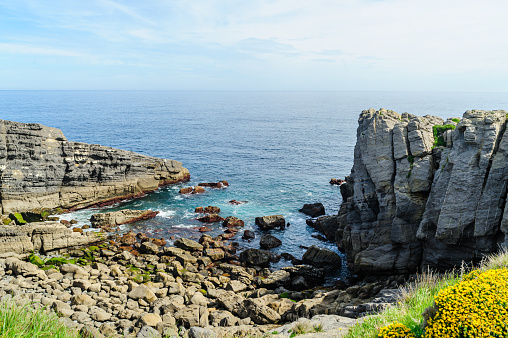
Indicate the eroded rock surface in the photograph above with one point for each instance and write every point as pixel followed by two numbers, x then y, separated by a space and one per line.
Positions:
pixel 40 169
pixel 410 203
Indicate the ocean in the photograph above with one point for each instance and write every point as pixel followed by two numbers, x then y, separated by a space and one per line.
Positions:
pixel 278 150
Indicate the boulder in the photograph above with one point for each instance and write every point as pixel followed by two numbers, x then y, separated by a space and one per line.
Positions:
pixel 247 234
pixel 256 257
pixel 269 242
pixel 313 210
pixel 126 216
pixel 232 221
pixel 321 257
pixel 217 185
pixel 188 244
pixel 270 222
pixel 210 218
pixel 142 292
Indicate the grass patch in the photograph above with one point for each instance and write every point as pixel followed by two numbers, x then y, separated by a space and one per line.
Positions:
pixel 419 296
pixel 456 120
pixel 438 132
pixel 25 322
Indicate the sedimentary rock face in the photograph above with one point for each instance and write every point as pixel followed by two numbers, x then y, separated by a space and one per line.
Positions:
pixel 415 204
pixel 40 169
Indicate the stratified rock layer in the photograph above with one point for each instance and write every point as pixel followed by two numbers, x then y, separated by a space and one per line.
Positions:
pixel 40 169
pixel 408 205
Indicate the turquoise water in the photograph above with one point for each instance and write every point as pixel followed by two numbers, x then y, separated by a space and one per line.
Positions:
pixel 278 150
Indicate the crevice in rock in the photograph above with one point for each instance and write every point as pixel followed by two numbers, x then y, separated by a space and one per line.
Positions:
pixel 494 153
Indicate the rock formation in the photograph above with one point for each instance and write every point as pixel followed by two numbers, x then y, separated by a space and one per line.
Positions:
pixel 40 169
pixel 126 216
pixel 420 195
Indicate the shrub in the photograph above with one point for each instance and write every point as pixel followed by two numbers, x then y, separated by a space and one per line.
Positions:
pixel 456 120
pixel 395 330
pixel 477 306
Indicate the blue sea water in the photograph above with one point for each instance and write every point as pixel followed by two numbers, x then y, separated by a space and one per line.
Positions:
pixel 278 150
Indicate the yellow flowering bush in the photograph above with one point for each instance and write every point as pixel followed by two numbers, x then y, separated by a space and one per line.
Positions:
pixel 395 330
pixel 477 306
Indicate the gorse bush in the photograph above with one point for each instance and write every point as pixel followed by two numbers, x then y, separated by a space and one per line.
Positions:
pixel 477 306
pixel 395 330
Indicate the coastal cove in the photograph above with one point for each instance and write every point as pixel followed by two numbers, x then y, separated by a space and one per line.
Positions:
pixel 396 213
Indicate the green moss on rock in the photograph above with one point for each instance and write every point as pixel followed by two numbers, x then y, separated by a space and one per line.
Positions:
pixel 17 217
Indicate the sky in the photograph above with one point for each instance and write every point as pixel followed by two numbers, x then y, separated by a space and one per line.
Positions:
pixel 254 45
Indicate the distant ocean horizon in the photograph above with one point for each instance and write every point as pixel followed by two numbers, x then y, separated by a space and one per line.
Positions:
pixel 278 150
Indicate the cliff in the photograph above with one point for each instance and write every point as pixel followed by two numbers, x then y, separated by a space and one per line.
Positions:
pixel 424 192
pixel 40 169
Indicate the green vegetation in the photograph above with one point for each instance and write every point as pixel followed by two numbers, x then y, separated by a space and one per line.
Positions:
pixel 480 296
pixel 456 120
pixel 438 131
pixel 25 322
pixel 7 221
pixel 18 218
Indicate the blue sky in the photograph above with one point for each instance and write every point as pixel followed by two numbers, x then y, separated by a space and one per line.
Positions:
pixel 342 45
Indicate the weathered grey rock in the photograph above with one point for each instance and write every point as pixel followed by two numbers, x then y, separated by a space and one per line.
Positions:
pixel 43 237
pixel 276 279
pixel 148 332
pixel 142 292
pixel 198 332
pixel 40 169
pixel 321 257
pixel 270 222
pixel 113 218
pixel 413 205
pixel 325 224
pixel 188 244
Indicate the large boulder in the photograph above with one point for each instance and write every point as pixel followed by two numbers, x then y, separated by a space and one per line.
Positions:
pixel 269 242
pixel 270 222
pixel 188 244
pixel 321 257
pixel 313 210
pixel 256 257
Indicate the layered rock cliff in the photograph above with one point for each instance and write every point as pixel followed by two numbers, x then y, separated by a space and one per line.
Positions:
pixel 40 169
pixel 420 195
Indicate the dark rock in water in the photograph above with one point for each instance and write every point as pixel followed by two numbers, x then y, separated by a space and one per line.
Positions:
pixel 291 258
pixel 269 242
pixel 235 202
pixel 312 275
pixel 192 190
pixel 335 181
pixel 247 234
pixel 211 218
pixel 299 283
pixel 232 221
pixel 320 237
pixel 271 222
pixel 321 257
pixel 217 185
pixel 204 229
pixel 208 210
pixel 313 210
pixel 327 225
pixel 256 257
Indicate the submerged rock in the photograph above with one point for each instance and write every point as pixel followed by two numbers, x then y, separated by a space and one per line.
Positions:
pixel 217 185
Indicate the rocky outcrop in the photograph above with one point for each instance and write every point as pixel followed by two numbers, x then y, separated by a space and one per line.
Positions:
pixel 42 237
pixel 126 216
pixel 40 169
pixel 424 192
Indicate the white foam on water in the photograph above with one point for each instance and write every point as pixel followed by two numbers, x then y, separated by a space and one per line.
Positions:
pixel 166 213
pixel 178 198
pixel 184 226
